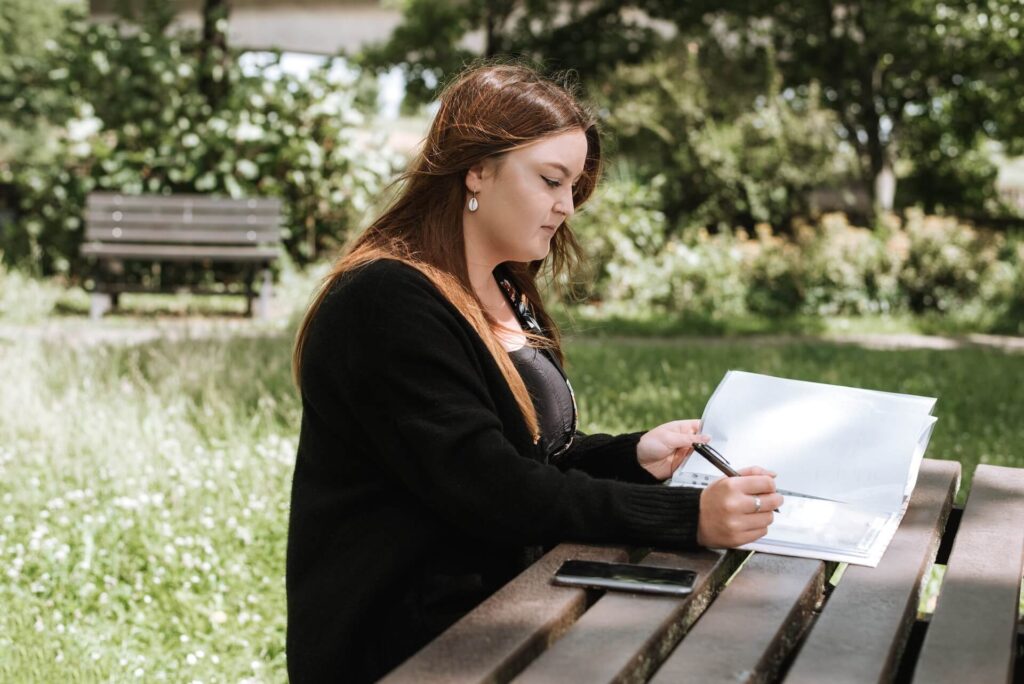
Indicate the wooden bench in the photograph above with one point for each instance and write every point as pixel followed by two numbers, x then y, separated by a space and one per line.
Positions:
pixel 764 618
pixel 187 229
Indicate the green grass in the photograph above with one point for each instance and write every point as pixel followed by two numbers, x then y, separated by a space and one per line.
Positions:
pixel 144 489
pixel 657 324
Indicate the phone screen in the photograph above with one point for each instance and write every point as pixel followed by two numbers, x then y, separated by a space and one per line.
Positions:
pixel 626 577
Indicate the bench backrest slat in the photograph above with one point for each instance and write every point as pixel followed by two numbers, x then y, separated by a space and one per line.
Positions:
pixel 195 221
pixel 863 628
pixel 972 636
pixel 624 637
pixel 753 626
pixel 178 220
pixel 183 236
pixel 181 202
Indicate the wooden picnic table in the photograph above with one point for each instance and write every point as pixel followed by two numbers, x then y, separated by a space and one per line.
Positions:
pixel 756 617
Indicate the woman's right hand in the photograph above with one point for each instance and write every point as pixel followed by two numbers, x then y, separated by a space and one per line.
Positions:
pixel 727 509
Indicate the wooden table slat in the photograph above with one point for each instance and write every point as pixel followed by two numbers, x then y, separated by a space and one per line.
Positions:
pixel 753 625
pixel 863 628
pixel 624 637
pixel 504 633
pixel 973 632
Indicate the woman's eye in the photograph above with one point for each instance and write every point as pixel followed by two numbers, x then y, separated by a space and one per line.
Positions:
pixel 551 183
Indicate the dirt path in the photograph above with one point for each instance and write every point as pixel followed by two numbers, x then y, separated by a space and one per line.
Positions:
pixel 77 331
pixel 1005 343
pixel 81 332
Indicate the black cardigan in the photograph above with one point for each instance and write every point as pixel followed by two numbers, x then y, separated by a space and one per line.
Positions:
pixel 417 489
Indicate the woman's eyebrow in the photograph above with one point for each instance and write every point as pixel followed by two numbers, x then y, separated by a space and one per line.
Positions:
pixel 561 167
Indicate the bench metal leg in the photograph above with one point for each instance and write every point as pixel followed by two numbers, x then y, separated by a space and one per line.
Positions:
pixel 99 304
pixel 262 309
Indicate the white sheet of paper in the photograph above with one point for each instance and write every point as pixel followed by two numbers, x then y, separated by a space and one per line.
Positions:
pixel 860 447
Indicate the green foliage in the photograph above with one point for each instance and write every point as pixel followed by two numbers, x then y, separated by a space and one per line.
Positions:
pixel 429 44
pixel 426 45
pixel 847 270
pixel 893 73
pixel 942 177
pixel 920 87
pixel 961 273
pixel 775 277
pixel 28 32
pixel 622 230
pixel 721 168
pixel 924 266
pixel 130 117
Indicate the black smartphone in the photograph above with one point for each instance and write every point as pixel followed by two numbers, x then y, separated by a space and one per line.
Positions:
pixel 626 577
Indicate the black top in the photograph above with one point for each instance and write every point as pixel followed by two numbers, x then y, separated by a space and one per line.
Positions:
pixel 418 490
pixel 548 386
pixel 551 398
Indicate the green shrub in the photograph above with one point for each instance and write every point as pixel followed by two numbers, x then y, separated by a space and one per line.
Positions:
pixel 953 275
pixel 1011 310
pixel 129 117
pixel 846 269
pixel 722 165
pixel 945 263
pixel 706 274
pixel 621 231
pixel 775 279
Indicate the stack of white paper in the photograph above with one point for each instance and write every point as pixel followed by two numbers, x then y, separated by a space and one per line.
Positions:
pixel 860 447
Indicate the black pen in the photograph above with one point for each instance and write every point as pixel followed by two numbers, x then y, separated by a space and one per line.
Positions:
pixel 716 459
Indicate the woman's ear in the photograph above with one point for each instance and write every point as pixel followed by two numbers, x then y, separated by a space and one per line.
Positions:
pixel 475 177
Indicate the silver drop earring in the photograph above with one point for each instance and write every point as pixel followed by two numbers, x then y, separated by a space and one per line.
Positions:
pixel 473 204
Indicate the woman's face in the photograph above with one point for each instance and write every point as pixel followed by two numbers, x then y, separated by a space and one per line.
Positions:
pixel 523 199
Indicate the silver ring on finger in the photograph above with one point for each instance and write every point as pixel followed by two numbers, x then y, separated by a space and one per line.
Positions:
pixel 757 504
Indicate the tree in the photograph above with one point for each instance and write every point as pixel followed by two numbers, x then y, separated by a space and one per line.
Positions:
pixel 885 68
pixel 721 156
pixel 213 51
pixel 906 81
pixel 588 37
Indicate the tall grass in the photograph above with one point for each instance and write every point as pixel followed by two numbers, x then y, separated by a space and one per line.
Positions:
pixel 144 489
pixel 144 495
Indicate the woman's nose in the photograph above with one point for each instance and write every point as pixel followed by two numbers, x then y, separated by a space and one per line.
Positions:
pixel 566 206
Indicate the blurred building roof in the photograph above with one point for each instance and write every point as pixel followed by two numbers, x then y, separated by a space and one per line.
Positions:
pixel 314 26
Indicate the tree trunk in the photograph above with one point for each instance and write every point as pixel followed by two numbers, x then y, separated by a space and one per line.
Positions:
pixel 880 179
pixel 490 49
pixel 213 51
pixel 884 187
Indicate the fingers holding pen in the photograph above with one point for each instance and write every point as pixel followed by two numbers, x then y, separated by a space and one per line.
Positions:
pixel 750 494
pixel 757 470
pixel 738 510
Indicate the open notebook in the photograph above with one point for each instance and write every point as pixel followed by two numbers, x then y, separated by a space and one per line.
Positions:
pixel 860 447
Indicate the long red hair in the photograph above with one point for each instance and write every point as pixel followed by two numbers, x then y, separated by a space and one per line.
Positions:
pixel 486 111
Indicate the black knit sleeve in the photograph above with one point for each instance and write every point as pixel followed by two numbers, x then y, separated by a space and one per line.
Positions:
pixel 607 456
pixel 393 353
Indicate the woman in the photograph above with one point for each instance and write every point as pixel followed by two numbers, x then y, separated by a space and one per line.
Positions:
pixel 438 449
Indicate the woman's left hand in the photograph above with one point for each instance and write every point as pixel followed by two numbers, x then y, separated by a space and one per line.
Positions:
pixel 663 449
